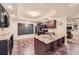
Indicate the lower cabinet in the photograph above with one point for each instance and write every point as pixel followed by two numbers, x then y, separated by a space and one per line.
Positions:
pixel 3 47
pixel 40 47
pixel 45 49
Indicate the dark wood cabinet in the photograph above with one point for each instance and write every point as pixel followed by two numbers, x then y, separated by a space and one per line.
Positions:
pixel 49 24
pixel 6 46
pixel 45 49
pixel 43 27
pixel 39 47
pixel 3 47
pixel 62 41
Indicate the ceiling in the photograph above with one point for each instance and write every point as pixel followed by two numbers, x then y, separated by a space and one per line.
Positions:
pixel 38 11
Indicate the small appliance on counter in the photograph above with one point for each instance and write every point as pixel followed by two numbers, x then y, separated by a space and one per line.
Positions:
pixel 42 29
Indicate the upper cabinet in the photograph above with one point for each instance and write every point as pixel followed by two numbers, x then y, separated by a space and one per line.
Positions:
pixel 4 17
pixel 51 24
pixel 48 24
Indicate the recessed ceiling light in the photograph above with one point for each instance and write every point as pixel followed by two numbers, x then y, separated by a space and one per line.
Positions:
pixel 12 15
pixel 10 7
pixel 26 25
pixel 34 13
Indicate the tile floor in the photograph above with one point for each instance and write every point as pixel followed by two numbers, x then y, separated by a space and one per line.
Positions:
pixel 23 47
pixel 26 47
pixel 73 45
pixel 72 48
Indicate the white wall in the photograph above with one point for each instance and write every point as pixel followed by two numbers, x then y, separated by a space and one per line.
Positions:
pixel 13 29
pixel 60 28
pixel 72 21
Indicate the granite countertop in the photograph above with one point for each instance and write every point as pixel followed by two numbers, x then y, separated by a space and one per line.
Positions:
pixel 46 38
pixel 5 36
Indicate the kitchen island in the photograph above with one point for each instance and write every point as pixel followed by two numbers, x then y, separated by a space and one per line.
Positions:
pixel 46 45
pixel 39 45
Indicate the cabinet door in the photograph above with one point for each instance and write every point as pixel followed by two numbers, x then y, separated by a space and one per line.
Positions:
pixel 40 47
pixel 55 45
pixel 49 48
pixel 51 24
pixel 3 47
pixel 62 40
pixel 58 42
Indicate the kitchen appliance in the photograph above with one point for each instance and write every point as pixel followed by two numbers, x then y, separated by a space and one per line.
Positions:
pixel 4 18
pixel 44 28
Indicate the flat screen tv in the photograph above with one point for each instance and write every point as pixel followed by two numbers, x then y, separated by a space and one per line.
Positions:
pixel 24 29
